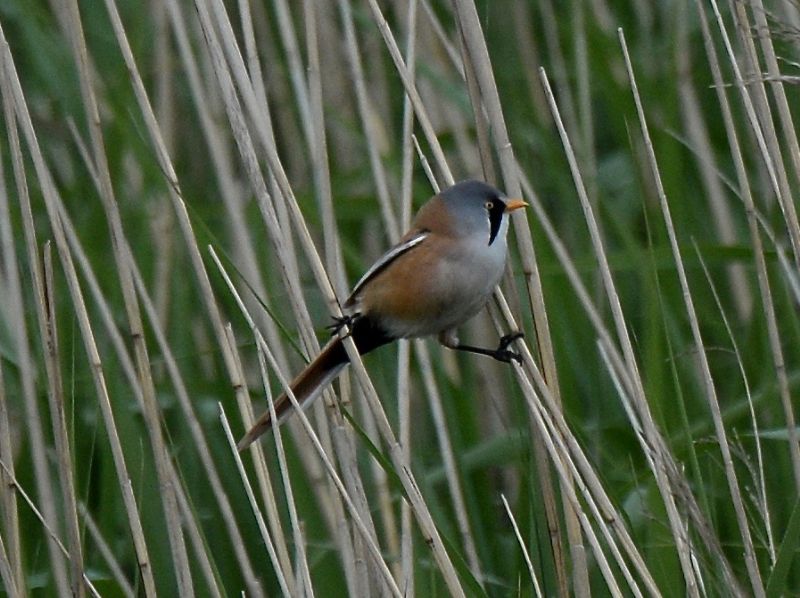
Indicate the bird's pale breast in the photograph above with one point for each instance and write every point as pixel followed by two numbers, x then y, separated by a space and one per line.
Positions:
pixel 433 287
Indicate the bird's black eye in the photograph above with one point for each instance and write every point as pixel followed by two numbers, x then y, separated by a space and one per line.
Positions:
pixel 489 205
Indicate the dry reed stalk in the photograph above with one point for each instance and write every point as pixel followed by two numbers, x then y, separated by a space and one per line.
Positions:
pixel 11 282
pixel 270 205
pixel 64 459
pixel 10 570
pixel 773 329
pixel 50 532
pixel 420 111
pixel 286 582
pixel 425 521
pixel 318 148
pixel 369 118
pixel 106 552
pixel 479 57
pixel 524 549
pixel 760 480
pixel 689 305
pixel 605 509
pixel 51 201
pixel 697 134
pixel 405 574
pixel 632 371
pixel 219 153
pixel 553 441
pixel 360 526
pixel 133 311
pixel 222 46
pixel 423 516
pixel 189 519
pixel 449 462
pixel 328 498
pixel 570 461
pixel 33 418
pixel 198 435
pixel 297 577
pixel 763 111
pixel 364 515
pixel 305 95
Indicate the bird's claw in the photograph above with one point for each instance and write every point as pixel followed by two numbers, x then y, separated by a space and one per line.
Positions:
pixel 341 322
pixel 502 352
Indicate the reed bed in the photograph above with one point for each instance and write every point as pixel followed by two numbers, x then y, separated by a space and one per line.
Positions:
pixel 187 192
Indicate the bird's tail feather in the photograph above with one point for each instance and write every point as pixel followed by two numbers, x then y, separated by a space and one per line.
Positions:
pixel 316 376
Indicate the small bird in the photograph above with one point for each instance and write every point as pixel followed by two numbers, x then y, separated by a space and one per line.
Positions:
pixel 440 274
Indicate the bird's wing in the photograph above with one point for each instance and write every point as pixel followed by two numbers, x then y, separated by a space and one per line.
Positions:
pixel 406 244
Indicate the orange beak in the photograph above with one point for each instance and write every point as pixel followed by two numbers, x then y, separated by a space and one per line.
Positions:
pixel 515 204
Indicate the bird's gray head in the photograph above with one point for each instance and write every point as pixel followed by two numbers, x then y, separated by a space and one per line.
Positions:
pixel 476 206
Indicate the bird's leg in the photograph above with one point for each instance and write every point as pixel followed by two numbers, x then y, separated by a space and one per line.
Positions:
pixel 501 353
pixel 341 322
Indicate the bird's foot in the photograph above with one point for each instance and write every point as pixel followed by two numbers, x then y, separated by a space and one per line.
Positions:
pixel 341 322
pixel 502 353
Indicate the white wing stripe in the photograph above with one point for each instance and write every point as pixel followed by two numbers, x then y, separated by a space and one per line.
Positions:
pixel 388 257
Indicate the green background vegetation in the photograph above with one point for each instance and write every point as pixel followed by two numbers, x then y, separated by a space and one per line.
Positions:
pixel 741 268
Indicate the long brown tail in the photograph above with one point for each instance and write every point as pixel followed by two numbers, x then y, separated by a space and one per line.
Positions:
pixel 310 383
